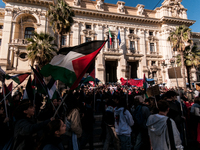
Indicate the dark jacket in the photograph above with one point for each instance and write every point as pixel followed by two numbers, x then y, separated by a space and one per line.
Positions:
pixel 108 116
pixel 175 113
pixel 54 144
pixel 24 131
pixel 88 119
pixel 4 130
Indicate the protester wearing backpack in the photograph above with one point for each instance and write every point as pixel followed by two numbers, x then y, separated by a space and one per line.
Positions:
pixel 123 123
pixel 140 116
pixel 162 130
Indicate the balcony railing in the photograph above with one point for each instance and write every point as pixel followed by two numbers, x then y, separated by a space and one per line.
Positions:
pixel 19 42
pixel 112 50
pixel 132 51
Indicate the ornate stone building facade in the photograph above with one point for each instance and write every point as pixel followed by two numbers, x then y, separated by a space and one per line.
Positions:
pixel 143 35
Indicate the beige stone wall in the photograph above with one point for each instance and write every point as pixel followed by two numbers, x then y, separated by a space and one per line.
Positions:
pixel 109 17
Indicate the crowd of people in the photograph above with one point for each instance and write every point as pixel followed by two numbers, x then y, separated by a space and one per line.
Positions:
pixel 130 120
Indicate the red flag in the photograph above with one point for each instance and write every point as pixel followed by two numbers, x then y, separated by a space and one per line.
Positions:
pixel 92 74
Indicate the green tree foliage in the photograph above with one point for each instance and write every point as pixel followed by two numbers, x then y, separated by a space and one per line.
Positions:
pixel 179 39
pixel 191 59
pixel 61 18
pixel 41 49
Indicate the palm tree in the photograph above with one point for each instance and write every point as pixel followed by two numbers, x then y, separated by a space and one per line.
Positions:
pixel 41 49
pixel 191 59
pixel 179 38
pixel 61 18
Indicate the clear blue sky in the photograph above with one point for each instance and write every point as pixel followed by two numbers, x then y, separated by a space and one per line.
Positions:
pixel 193 7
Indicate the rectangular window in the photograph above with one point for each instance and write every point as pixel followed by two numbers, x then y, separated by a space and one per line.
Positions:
pixel 88 26
pixel 131 31
pixel 153 63
pixel 1 26
pixel 132 45
pixel 150 33
pixel 0 42
pixel 154 75
pixel 152 49
pixel 88 39
pixel 64 40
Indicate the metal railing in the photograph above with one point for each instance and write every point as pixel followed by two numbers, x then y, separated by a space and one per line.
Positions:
pixel 19 41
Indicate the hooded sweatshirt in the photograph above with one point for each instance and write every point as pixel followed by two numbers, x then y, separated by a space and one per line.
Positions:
pixel 123 121
pixel 158 132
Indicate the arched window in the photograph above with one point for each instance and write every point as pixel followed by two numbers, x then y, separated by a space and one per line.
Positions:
pixel 28 32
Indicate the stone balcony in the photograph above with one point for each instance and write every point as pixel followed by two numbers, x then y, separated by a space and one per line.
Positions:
pixel 155 68
pixel 19 42
pixel 133 52
pixel 114 51
pixel 154 54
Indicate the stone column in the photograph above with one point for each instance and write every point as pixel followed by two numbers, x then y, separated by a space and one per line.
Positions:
pixel 76 34
pixel 6 37
pixel 136 49
pixel 42 25
pixel 68 39
pixel 155 47
pixel 166 52
pixel 16 51
pixel 100 62
pixel 13 30
pixel 122 62
pixel 143 63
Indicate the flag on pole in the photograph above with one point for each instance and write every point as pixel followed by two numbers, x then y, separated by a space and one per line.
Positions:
pixel 90 77
pixel 51 88
pixel 39 81
pixel 110 37
pixel 8 89
pixel 2 75
pixel 28 93
pixel 71 63
pixel 145 86
pixel 19 78
pixel 118 37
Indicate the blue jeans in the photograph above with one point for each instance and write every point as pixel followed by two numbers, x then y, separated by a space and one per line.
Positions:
pixel 125 142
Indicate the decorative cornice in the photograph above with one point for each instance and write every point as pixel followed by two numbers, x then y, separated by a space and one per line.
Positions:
pixel 108 15
pixel 131 18
pixel 195 34
pixel 177 21
pixel 44 3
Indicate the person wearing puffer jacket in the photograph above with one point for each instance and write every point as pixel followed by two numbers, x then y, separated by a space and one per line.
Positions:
pixel 123 123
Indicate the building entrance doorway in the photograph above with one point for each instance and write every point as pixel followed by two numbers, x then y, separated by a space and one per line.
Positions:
pixel 134 67
pixel 111 71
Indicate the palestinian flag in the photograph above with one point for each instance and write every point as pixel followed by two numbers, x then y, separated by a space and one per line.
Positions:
pixel 7 90
pixel 39 81
pixel 145 86
pixel 71 63
pixel 110 37
pixel 51 88
pixel 2 75
pixel 90 77
pixel 19 78
pixel 28 93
